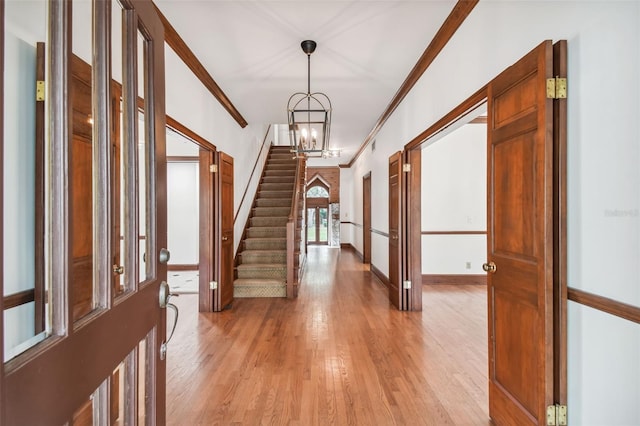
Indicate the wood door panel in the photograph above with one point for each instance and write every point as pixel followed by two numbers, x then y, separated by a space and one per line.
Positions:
pixel 81 190
pixel 366 218
pixel 515 338
pixel 520 241
pixel 395 253
pixel 224 295
pixel 520 97
pixel 513 226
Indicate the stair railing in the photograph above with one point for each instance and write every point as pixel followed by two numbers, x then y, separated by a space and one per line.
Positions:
pixel 295 249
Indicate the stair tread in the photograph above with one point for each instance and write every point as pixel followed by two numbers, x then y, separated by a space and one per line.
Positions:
pixel 270 251
pixel 262 266
pixel 259 282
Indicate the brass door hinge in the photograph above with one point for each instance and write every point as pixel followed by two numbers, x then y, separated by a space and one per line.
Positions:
pixel 556 88
pixel 557 415
pixel 213 168
pixel 406 284
pixel 39 90
pixel 406 167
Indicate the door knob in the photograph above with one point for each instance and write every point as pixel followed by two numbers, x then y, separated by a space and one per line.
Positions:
pixel 489 267
pixel 225 238
pixel 118 269
pixel 164 256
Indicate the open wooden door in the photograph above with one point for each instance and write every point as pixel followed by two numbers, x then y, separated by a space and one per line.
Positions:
pixel 520 241
pixel 207 253
pixel 97 329
pixel 397 295
pixel 366 218
pixel 223 295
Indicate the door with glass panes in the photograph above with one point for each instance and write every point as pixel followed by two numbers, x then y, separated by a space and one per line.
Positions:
pixel 317 219
pixel 100 358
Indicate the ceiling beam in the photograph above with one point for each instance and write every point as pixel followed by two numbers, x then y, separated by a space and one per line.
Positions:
pixel 173 39
pixel 458 14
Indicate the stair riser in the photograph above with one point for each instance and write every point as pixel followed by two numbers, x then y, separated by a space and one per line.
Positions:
pixel 268 221
pixel 275 194
pixel 262 274
pixel 276 187
pixel 273 202
pixel 267 232
pixel 257 291
pixel 265 245
pixel 280 168
pixel 271 211
pixel 262 258
pixel 278 179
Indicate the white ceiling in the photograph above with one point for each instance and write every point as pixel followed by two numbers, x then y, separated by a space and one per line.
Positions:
pixel 365 51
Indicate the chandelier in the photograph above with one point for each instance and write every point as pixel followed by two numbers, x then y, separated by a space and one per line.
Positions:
pixel 309 117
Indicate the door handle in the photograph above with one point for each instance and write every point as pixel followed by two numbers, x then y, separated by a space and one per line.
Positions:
pixel 165 295
pixel 118 269
pixel 225 238
pixel 489 267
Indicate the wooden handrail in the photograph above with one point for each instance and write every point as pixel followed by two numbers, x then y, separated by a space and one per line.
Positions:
pixel 298 191
pixel 246 188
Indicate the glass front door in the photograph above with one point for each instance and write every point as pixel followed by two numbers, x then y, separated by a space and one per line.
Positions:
pixel 317 225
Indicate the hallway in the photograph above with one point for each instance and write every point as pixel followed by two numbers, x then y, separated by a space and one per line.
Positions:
pixel 339 354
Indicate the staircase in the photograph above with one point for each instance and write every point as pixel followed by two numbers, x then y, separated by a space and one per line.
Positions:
pixel 261 269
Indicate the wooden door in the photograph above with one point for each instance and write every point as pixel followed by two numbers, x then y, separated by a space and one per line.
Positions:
pixel 207 254
pixel 520 241
pixel 93 336
pixel 366 218
pixel 397 295
pixel 223 296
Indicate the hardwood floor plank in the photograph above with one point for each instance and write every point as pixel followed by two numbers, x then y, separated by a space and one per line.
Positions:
pixel 339 354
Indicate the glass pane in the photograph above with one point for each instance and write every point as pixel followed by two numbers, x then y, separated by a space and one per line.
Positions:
pixel 317 192
pixel 27 319
pixel 323 222
pixel 143 160
pixel 80 172
pixel 120 267
pixel 311 225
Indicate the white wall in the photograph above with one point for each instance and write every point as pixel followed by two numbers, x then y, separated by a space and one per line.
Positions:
pixel 454 198
pixel 189 102
pixel 603 177
pixel 183 212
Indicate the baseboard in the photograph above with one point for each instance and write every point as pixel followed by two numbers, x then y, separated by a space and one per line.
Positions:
pixel 182 267
pixel 348 246
pixel 433 279
pixel 382 277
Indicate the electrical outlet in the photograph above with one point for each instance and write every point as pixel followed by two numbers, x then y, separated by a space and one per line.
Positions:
pixel 468 265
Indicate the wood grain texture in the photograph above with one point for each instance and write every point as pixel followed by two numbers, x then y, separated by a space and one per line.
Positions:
pixel 324 360
pixel 458 14
pixel 604 304
pixel 19 298
pixel 183 51
pixel 462 279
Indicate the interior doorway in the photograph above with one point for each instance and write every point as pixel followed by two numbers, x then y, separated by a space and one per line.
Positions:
pixel 183 203
pixel 191 213
pixel 526 240
pixel 317 214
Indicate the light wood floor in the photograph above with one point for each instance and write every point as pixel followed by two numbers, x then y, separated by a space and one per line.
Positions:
pixel 339 354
